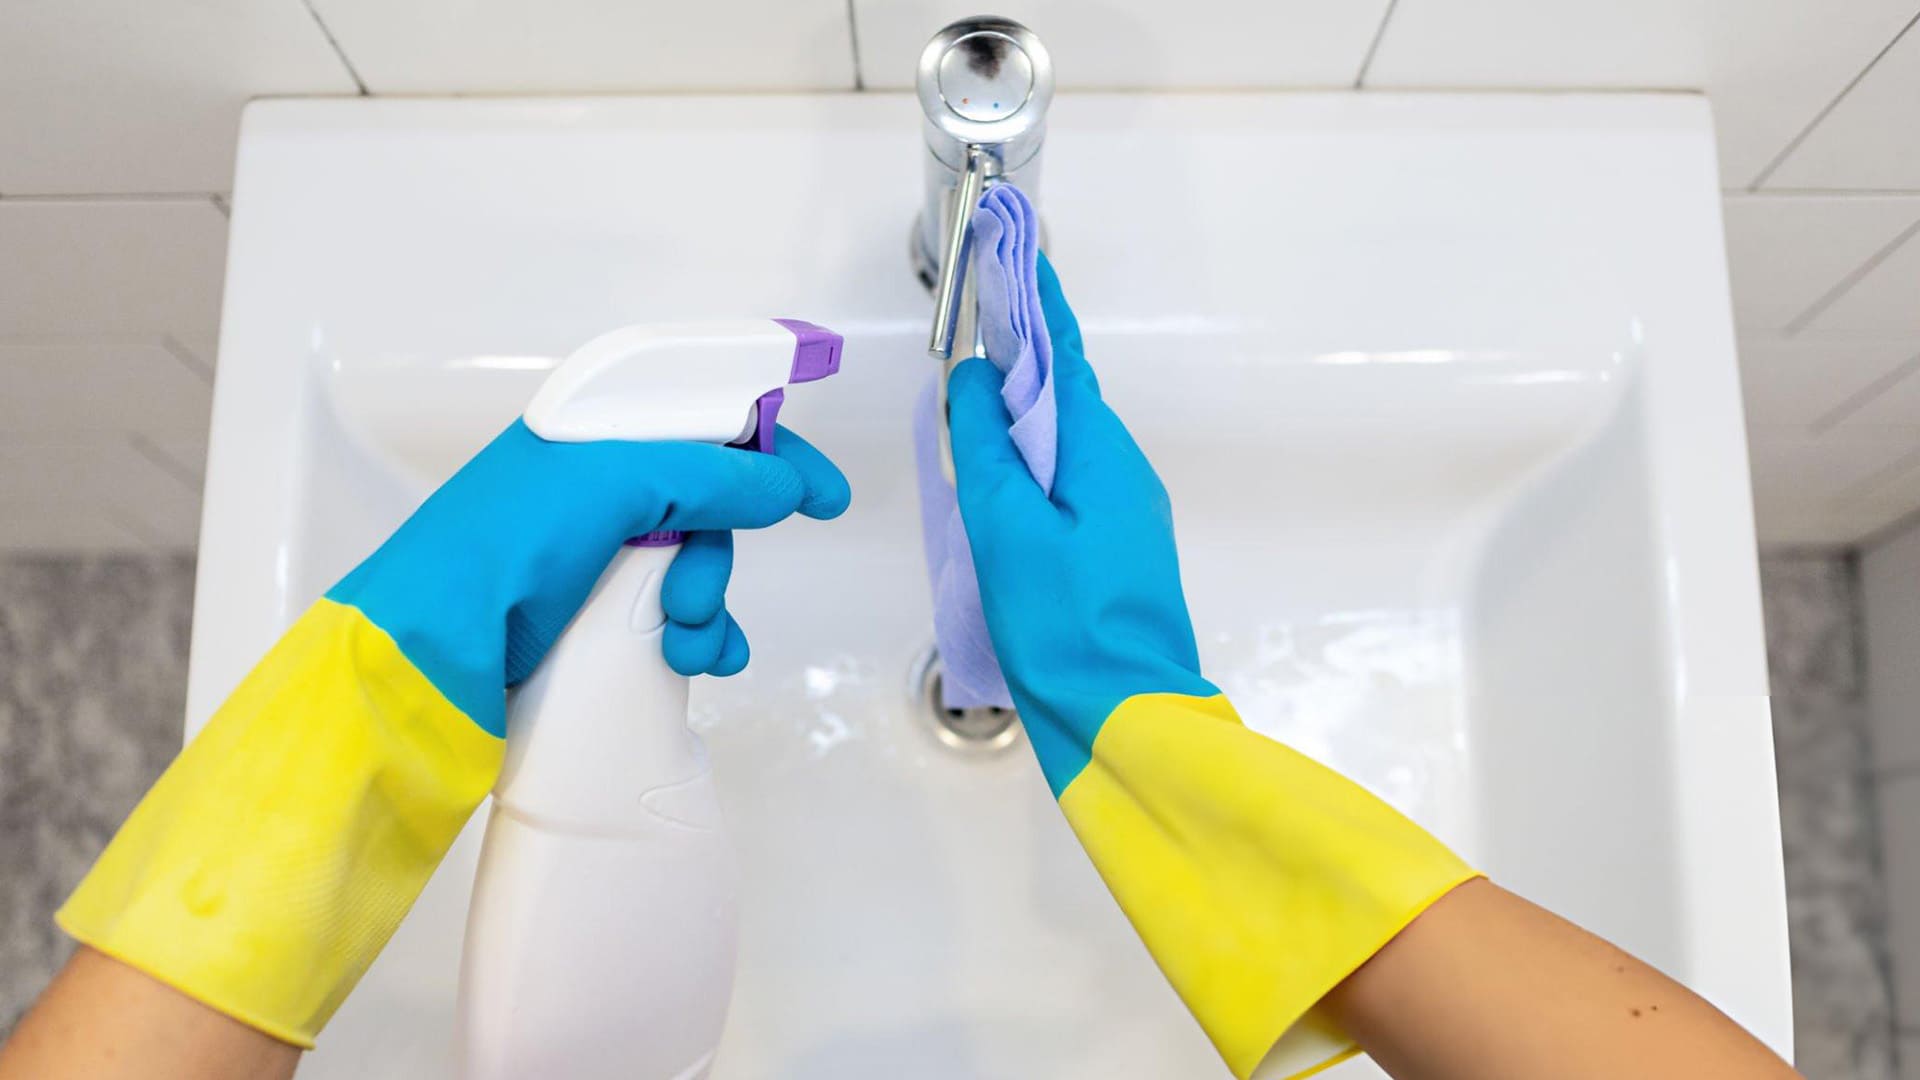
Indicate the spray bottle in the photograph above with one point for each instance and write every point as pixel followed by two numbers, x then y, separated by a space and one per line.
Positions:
pixel 600 941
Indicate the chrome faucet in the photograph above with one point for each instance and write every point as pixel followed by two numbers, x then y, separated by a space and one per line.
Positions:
pixel 984 83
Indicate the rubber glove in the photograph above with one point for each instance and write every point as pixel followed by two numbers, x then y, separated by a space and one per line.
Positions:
pixel 1257 878
pixel 273 859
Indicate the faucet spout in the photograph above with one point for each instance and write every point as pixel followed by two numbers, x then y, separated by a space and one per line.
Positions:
pixel 949 292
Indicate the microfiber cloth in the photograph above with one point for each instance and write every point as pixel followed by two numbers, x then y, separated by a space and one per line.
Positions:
pixel 1006 267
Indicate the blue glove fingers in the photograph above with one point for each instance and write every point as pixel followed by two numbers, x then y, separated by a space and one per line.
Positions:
pixel 1073 377
pixel 715 647
pixel 699 486
pixel 1101 470
pixel 695 588
pixel 733 653
pixel 722 487
pixel 1097 457
pixel 827 492
pixel 693 648
pixel 1093 441
pixel 994 482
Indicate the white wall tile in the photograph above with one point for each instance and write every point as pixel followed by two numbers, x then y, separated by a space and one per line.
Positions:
pixel 1872 138
pixel 1769 66
pixel 80 386
pixel 67 528
pixel 1786 251
pixel 131 270
pixel 76 480
pixel 1802 381
pixel 1788 523
pixel 1784 522
pixel 1127 44
pixel 1890 602
pixel 1810 522
pixel 133 96
pixel 1884 301
pixel 1887 504
pixel 1868 394
pixel 1900 845
pixel 1807 488
pixel 513 46
pixel 1894 402
pixel 1796 457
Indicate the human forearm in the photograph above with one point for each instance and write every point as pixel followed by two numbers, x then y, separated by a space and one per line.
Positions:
pixel 1485 985
pixel 158 1033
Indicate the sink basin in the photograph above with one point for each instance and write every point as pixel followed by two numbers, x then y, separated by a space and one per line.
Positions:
pixel 1443 388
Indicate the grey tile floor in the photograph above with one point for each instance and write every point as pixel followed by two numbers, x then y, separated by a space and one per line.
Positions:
pixel 93 664
pixel 92 678
pixel 1836 896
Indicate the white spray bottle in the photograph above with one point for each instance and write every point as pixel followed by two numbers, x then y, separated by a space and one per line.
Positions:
pixel 600 942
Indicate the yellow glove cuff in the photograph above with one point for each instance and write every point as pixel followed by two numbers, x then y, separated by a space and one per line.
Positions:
pixel 275 856
pixel 1258 878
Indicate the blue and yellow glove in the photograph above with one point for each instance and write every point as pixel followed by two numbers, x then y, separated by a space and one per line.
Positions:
pixel 270 863
pixel 1257 878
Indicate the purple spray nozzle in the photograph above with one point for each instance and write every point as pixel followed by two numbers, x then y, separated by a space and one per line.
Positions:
pixel 817 352
pixel 816 355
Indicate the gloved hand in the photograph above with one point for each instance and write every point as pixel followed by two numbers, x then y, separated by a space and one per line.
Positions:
pixel 1257 878
pixel 478 584
pixel 270 863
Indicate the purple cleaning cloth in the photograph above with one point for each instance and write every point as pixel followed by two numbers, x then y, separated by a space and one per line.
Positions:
pixel 1006 263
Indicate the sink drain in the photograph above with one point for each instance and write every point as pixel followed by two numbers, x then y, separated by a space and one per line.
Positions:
pixel 982 729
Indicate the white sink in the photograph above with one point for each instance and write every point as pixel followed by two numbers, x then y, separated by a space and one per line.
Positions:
pixel 1444 390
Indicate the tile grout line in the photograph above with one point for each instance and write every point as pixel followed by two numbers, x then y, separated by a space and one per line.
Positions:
pixel 334 44
pixel 853 38
pixel 187 358
pixel 1891 530
pixel 162 460
pixel 1373 47
pixel 1833 295
pixel 1820 117
pixel 1821 193
pixel 110 196
pixel 1864 396
pixel 1808 550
